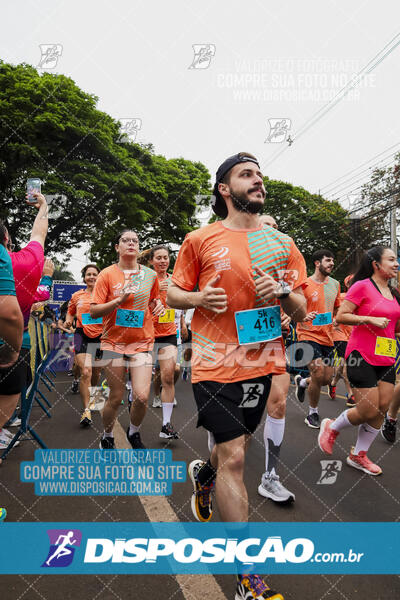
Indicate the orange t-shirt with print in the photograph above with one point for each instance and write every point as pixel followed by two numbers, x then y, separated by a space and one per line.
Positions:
pixel 80 305
pixel 169 328
pixel 321 297
pixel 341 333
pixel 233 254
pixel 109 283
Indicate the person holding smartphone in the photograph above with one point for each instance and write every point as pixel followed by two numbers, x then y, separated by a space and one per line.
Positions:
pixel 126 295
pixel 11 329
pixel 27 266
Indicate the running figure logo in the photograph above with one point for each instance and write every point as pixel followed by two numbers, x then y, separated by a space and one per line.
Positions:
pixel 63 543
pixel 278 130
pixel 330 470
pixel 50 55
pixel 203 53
pixel 129 130
pixel 252 393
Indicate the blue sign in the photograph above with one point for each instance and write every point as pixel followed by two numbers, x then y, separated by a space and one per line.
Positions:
pixel 60 472
pixel 63 291
pixel 88 320
pixel 155 548
pixel 323 319
pixel 258 325
pixel 129 318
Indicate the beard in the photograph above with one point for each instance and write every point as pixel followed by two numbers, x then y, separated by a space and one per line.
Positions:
pixel 242 203
pixel 324 272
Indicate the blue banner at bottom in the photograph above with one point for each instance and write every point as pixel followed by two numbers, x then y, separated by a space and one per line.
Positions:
pixel 198 548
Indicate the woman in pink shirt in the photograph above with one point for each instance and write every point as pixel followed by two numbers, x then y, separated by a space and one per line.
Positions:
pixel 372 306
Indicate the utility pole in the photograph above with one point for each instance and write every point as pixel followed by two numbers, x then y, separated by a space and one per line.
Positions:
pixel 393 225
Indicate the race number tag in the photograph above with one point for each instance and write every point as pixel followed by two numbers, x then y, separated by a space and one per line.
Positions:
pixel 88 320
pixel 258 325
pixel 129 318
pixel 385 347
pixel 323 319
pixel 168 317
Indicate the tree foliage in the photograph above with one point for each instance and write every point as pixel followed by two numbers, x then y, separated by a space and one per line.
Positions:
pixel 51 129
pixel 311 221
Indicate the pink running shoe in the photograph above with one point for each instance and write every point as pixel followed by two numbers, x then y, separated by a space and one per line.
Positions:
pixel 327 436
pixel 361 461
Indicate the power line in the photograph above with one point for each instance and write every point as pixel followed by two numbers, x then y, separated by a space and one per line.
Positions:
pixel 360 166
pixel 342 93
pixel 342 193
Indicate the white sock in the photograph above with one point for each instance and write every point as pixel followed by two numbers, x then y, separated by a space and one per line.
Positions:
pixel 91 390
pixel 106 434
pixel 133 429
pixel 303 383
pixel 341 422
pixel 273 436
pixel 366 435
pixel 167 408
pixel 312 410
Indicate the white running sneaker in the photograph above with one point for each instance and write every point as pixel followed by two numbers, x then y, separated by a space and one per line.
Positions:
pixel 271 487
pixel 5 440
pixel 157 402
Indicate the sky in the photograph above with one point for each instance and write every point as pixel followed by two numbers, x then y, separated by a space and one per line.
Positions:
pixel 205 80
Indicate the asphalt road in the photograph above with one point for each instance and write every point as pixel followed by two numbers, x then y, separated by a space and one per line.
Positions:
pixel 353 497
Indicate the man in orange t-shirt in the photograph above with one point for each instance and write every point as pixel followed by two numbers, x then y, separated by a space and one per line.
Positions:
pixel 315 333
pixel 240 270
pixel 341 335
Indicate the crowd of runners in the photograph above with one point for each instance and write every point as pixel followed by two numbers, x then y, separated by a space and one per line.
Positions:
pixel 239 302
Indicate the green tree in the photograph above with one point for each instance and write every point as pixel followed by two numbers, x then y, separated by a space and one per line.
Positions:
pixel 311 221
pixel 61 272
pixel 52 129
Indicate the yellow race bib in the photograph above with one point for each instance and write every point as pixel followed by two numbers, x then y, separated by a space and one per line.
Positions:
pixel 169 316
pixel 385 347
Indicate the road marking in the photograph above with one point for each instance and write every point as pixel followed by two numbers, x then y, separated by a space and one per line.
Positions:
pixel 157 508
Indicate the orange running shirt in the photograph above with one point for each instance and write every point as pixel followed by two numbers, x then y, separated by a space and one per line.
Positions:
pixel 215 249
pixel 322 298
pixel 109 283
pixel 79 305
pixel 162 329
pixel 341 333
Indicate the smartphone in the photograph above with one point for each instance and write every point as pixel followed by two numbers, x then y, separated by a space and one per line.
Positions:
pixel 33 185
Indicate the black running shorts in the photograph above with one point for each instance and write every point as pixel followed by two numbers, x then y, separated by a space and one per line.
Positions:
pixel 229 410
pixel 363 375
pixel 86 345
pixel 13 379
pixel 340 348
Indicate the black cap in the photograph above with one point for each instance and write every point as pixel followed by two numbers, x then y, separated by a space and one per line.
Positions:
pixel 218 203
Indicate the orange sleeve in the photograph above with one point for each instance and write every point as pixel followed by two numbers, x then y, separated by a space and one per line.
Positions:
pixel 101 289
pixel 155 290
pixel 72 306
pixel 187 266
pixel 297 264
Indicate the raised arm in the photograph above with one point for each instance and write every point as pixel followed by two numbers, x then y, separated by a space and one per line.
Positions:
pixel 41 223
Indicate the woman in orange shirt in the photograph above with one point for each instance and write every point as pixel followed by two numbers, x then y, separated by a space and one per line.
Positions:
pixel 166 341
pixel 126 295
pixel 86 340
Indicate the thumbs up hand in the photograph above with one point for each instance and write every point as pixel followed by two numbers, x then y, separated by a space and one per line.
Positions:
pixel 214 298
pixel 266 285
